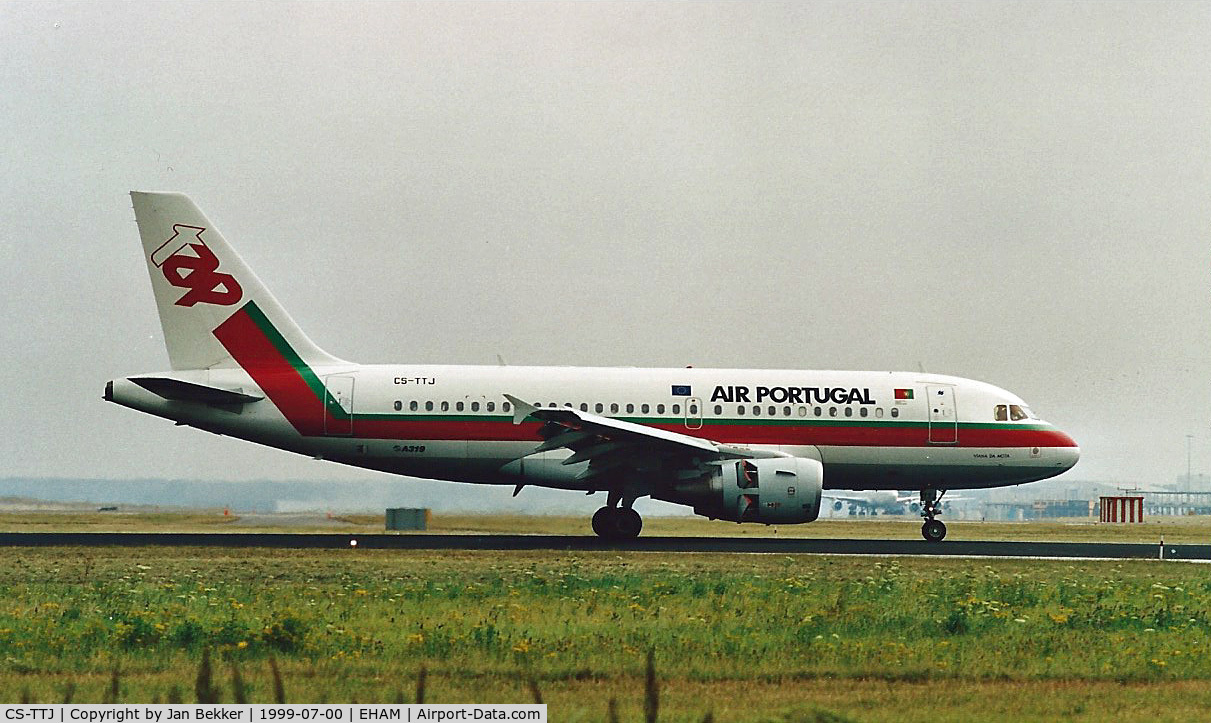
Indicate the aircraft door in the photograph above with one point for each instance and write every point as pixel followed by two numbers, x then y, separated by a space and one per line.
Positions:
pixel 338 405
pixel 943 415
pixel 693 413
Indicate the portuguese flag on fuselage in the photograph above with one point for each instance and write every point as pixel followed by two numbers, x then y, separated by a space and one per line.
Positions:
pixel 903 394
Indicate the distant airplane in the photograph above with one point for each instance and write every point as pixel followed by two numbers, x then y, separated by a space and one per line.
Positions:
pixel 874 503
pixel 745 445
pixel 870 503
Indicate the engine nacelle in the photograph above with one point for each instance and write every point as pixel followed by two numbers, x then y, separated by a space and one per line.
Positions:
pixel 778 490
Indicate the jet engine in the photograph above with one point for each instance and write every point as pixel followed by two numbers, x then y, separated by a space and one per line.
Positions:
pixel 773 491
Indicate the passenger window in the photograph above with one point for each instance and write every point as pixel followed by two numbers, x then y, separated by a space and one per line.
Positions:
pixel 474 406
pixel 399 406
pixel 740 409
pixel 645 408
pixel 879 413
pixel 694 409
pixel 584 407
pixel 863 412
pixel 490 406
pixel 598 408
pixel 849 411
pixel 504 407
pixel 895 411
pixel 1001 414
pixel 1016 413
pixel 660 409
pixel 773 411
pixel 819 411
pixel 786 411
pixel 630 409
pixel 428 406
pixel 413 406
pixel 445 406
pixel 614 408
pixel 458 406
pixel 676 409
pixel 756 411
pixel 718 410
pixel 802 411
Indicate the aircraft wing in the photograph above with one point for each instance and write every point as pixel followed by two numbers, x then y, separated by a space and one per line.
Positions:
pixel 610 444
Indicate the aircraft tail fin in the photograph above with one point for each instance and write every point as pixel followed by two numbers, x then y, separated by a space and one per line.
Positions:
pixel 201 285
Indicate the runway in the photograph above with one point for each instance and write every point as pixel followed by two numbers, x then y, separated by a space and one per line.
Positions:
pixel 559 543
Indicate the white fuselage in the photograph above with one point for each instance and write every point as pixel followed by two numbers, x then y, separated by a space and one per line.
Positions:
pixel 453 422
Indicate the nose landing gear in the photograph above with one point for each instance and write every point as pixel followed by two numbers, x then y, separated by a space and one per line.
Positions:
pixel 933 530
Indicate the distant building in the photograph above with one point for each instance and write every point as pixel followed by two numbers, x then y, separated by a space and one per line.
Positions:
pixel 1177 502
pixel 1063 508
pixel 1037 510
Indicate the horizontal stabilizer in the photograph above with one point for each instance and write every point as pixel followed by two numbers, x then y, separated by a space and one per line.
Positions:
pixel 181 391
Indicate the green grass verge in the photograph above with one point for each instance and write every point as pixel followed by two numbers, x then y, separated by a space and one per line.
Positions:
pixel 747 637
pixel 1174 530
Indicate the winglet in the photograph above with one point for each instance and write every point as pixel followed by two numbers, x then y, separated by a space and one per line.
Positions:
pixel 521 409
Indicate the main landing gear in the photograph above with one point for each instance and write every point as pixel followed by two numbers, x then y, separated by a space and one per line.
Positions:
pixel 933 530
pixel 617 521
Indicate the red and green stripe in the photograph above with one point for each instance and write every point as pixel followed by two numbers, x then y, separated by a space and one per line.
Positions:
pixel 258 347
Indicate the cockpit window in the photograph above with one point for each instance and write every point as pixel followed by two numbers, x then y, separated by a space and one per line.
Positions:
pixel 1012 413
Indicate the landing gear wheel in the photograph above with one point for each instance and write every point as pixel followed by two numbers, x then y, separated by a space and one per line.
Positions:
pixel 617 523
pixel 933 530
pixel 602 520
pixel 627 524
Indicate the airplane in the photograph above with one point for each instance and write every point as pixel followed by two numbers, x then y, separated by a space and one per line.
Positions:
pixel 888 503
pixel 742 445
pixel 863 503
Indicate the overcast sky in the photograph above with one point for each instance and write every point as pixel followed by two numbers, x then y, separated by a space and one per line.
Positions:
pixel 1012 192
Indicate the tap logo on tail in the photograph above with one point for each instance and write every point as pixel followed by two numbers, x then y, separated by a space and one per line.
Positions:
pixel 197 271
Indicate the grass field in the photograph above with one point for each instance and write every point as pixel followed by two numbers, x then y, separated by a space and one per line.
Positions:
pixel 1175 530
pixel 743 637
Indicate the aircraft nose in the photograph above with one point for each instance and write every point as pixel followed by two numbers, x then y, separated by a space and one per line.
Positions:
pixel 1069 452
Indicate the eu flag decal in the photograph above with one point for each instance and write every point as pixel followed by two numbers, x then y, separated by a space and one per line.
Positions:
pixel 682 390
